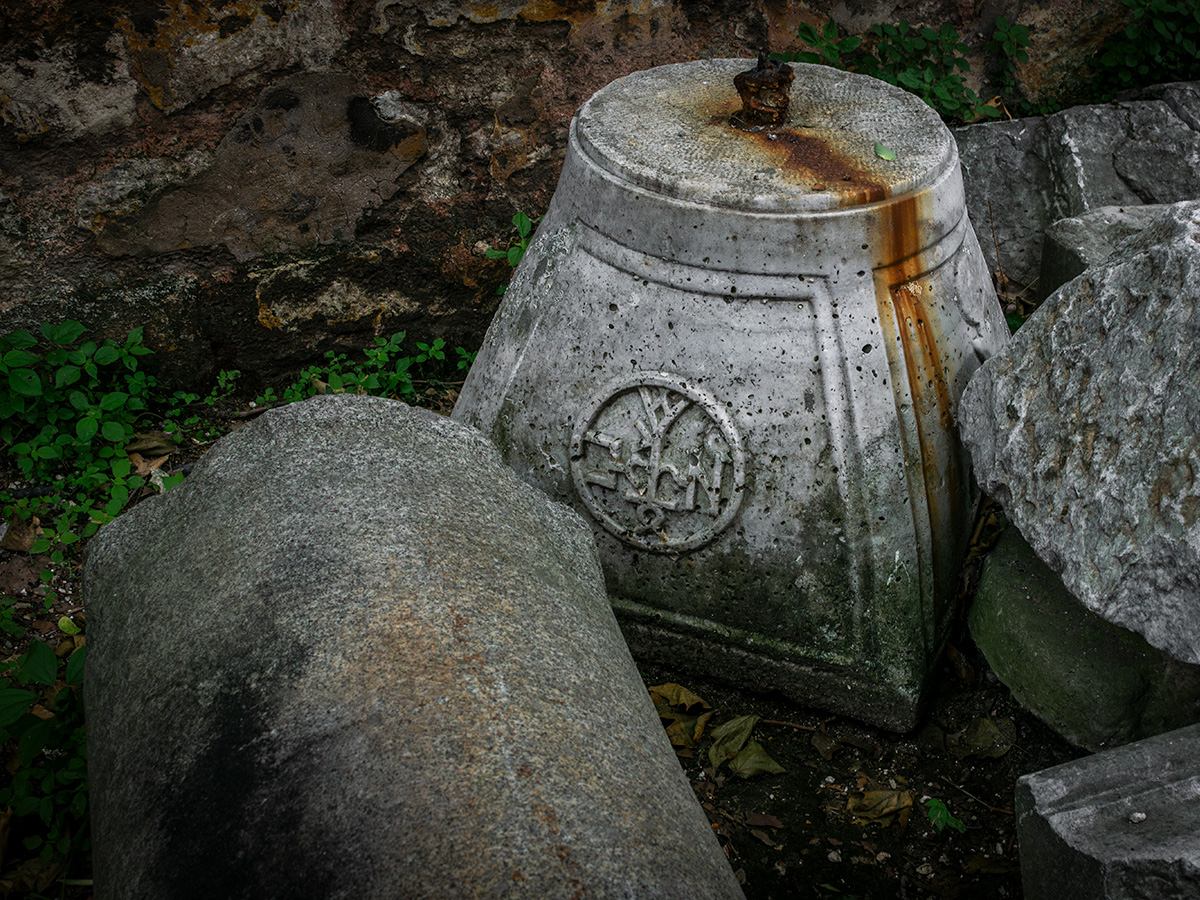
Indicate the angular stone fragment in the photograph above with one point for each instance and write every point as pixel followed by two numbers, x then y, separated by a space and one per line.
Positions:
pixel 1120 825
pixel 354 657
pixel 1085 430
pixel 1073 244
pixel 1022 175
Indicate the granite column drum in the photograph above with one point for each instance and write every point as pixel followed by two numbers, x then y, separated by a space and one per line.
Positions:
pixel 740 354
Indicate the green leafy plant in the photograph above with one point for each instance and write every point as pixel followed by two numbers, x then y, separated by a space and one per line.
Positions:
pixel 385 371
pixel 1161 43
pixel 924 61
pixel 927 63
pixel 69 405
pixel 515 251
pixel 41 710
pixel 827 46
pixel 941 817
pixel 1010 40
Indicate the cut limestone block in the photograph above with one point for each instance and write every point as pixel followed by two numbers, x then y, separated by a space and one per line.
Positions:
pixel 1095 683
pixel 353 657
pixel 1120 825
pixel 1084 430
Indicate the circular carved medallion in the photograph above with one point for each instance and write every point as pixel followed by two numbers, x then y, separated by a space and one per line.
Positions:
pixel 658 462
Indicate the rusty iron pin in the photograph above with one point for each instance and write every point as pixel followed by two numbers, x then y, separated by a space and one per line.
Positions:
pixel 764 93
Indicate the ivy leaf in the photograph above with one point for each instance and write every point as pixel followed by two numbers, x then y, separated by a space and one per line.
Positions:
pixel 14 703
pixel 40 665
pixel 884 152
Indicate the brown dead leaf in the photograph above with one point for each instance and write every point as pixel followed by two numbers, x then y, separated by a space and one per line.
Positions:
pixel 151 444
pixel 20 535
pixel 764 837
pixel 30 876
pixel 143 466
pixel 878 806
pixel 825 744
pixel 684 714
pixel 984 737
pixel 20 573
pixel 760 820
pixel 676 695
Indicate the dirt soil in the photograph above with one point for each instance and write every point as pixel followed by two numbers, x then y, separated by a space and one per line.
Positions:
pixel 797 834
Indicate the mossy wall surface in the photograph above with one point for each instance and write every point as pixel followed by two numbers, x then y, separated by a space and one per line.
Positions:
pixel 257 182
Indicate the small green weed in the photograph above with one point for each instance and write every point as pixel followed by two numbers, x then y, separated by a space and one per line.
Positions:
pixel 386 371
pixel 517 246
pixel 41 710
pixel 941 817
pixel 1010 41
pixel 930 64
pixel 827 45
pixel 69 406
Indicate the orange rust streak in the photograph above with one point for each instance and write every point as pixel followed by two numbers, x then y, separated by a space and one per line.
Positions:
pixel 920 336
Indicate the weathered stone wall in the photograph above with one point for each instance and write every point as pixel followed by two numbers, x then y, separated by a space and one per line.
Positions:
pixel 256 182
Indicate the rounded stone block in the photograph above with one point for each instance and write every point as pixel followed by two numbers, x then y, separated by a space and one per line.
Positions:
pixel 1095 683
pixel 739 354
pixel 353 657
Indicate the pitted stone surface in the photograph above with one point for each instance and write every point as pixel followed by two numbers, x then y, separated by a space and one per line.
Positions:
pixel 353 657
pixel 667 129
pixel 1085 430
pixel 749 387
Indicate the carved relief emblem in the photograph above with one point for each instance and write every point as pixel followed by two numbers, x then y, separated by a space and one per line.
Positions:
pixel 659 463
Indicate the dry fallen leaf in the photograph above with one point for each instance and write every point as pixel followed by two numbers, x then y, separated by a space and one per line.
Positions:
pixel 151 443
pixel 754 760
pixel 984 737
pixel 20 535
pixel 764 837
pixel 729 738
pixel 685 715
pixel 143 466
pixel 879 805
pixel 825 744
pixel 759 820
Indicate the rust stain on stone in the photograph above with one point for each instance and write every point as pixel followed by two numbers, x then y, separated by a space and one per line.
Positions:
pixel 808 153
pixel 905 302
pixel 833 172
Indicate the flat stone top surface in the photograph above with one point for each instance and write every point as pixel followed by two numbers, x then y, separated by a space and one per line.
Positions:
pixel 667 130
